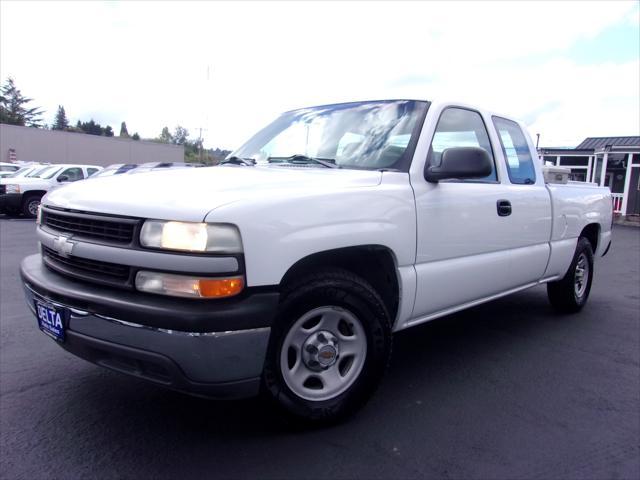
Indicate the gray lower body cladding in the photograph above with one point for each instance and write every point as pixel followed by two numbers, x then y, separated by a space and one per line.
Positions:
pixel 219 363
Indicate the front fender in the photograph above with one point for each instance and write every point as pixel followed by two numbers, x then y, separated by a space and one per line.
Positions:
pixel 278 232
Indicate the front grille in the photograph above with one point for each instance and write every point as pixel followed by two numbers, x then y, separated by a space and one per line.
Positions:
pixel 103 272
pixel 118 230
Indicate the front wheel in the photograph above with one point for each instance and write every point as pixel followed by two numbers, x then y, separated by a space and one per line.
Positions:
pixel 570 294
pixel 30 206
pixel 329 347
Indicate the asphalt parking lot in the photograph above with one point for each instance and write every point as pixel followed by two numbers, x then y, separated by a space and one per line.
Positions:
pixel 506 390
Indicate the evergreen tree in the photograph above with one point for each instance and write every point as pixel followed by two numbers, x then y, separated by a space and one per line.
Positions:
pixel 180 135
pixel 123 130
pixel 108 131
pixel 13 107
pixel 91 127
pixel 165 136
pixel 135 136
pixel 61 122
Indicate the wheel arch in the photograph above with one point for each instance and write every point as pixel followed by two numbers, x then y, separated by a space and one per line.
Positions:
pixel 377 264
pixel 592 233
pixel 33 193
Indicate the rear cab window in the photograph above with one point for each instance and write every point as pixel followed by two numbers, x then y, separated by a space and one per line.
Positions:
pixel 516 152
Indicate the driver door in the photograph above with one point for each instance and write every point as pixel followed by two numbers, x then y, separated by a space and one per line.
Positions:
pixel 462 249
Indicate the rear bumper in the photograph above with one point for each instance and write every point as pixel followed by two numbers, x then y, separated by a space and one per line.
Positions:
pixel 223 363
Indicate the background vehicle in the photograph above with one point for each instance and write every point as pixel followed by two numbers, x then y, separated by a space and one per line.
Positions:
pixel 115 169
pixel 120 168
pixel 287 269
pixel 23 194
pixel 23 171
pixel 8 169
pixel 147 167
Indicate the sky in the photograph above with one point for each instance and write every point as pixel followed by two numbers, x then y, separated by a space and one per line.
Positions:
pixel 569 70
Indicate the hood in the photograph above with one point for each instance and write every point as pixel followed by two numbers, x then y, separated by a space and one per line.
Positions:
pixel 21 180
pixel 189 194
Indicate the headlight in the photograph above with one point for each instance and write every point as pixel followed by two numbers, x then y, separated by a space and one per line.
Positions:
pixel 13 188
pixel 39 215
pixel 190 236
pixel 185 286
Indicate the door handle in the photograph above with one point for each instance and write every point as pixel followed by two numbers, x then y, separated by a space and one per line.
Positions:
pixel 504 208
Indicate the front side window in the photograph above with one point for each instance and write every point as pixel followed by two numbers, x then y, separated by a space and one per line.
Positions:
pixel 73 174
pixel 459 127
pixel 91 171
pixel 364 135
pixel 516 152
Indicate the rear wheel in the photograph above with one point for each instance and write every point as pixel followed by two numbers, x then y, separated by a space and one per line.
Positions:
pixel 329 347
pixel 570 294
pixel 30 205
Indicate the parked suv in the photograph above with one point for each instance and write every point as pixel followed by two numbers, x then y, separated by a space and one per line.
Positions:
pixel 23 194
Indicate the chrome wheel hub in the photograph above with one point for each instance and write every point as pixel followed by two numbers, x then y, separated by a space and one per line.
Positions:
pixel 323 353
pixel 33 207
pixel 320 351
pixel 581 276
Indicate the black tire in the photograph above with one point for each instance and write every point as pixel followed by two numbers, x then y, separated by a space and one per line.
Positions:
pixel 28 204
pixel 563 294
pixel 342 289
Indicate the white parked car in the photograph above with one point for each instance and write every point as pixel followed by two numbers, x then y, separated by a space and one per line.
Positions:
pixel 116 169
pixel 8 168
pixel 23 171
pixel 23 194
pixel 288 269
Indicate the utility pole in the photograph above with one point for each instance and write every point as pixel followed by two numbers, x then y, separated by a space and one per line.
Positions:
pixel 206 119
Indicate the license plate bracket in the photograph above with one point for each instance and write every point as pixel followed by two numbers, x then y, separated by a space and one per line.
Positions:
pixel 52 320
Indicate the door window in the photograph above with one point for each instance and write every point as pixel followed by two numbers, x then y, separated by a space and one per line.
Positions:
pixel 91 171
pixel 73 174
pixel 516 152
pixel 459 127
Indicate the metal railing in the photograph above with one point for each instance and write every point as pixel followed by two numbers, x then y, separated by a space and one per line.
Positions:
pixel 616 198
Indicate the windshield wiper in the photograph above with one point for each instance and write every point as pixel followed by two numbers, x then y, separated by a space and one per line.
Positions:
pixel 249 162
pixel 299 158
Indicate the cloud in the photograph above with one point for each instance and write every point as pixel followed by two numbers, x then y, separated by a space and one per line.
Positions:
pixel 146 63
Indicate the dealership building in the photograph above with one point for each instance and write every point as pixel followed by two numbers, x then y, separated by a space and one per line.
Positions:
pixel 612 162
pixel 53 146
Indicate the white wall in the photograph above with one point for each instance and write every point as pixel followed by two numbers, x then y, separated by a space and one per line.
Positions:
pixel 51 146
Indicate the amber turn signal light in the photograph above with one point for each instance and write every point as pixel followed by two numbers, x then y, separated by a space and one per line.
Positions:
pixel 218 288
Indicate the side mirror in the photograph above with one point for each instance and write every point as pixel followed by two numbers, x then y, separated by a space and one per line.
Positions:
pixel 460 162
pixel 63 178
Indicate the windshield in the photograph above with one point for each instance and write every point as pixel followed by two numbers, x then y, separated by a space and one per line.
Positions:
pixel 367 135
pixel 46 173
pixel 23 172
pixel 38 171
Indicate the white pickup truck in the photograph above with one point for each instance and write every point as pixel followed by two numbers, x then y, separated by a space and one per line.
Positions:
pixel 23 194
pixel 287 269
